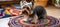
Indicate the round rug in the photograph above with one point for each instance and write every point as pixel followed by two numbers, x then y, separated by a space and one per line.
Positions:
pixel 48 22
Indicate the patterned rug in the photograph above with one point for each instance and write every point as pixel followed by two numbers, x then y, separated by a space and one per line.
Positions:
pixel 48 22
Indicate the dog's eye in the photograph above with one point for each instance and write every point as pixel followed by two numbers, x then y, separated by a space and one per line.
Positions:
pixel 28 9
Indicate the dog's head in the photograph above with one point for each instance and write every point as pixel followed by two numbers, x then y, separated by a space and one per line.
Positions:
pixel 26 10
pixel 26 3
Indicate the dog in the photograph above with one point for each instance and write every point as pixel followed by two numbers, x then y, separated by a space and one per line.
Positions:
pixel 33 16
pixel 38 13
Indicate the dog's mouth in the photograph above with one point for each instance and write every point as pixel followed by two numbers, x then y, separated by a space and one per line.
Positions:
pixel 28 12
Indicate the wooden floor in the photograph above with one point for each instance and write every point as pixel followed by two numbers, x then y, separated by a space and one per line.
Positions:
pixel 53 11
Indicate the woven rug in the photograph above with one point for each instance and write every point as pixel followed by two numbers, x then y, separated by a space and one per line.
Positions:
pixel 48 22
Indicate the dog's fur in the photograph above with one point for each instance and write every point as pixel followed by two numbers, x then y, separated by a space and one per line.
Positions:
pixel 40 12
